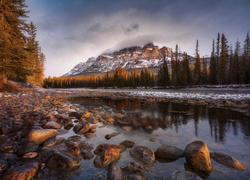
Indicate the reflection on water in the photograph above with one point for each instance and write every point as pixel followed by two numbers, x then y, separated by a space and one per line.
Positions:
pixel 176 124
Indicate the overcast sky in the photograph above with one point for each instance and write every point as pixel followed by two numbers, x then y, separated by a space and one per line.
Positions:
pixel 71 31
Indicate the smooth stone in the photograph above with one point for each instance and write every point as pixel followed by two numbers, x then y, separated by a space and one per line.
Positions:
pixel 53 141
pixel 26 171
pixel 62 131
pixel 127 128
pixel 103 147
pixel 106 157
pixel 153 139
pixel 143 153
pixel 86 115
pixel 228 161
pixel 185 175
pixel 52 125
pixel 135 167
pixel 127 143
pixel 89 135
pixel 169 152
pixel 115 172
pixel 198 157
pixel 42 135
pixel 62 162
pixel 87 154
pixel 109 136
pixel 30 155
pixel 135 177
pixel 111 120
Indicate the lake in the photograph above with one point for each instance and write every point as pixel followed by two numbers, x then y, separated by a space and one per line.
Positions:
pixel 170 124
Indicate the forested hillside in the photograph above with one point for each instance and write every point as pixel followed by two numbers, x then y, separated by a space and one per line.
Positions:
pixel 21 58
pixel 228 65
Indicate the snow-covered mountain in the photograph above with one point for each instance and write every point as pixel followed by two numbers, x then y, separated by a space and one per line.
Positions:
pixel 150 56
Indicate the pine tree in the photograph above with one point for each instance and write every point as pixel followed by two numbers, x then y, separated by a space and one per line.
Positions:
pixel 186 74
pixel 204 71
pixel 222 73
pixel 197 68
pixel 213 67
pixel 245 63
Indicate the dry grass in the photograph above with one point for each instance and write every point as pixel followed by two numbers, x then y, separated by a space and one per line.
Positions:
pixel 6 86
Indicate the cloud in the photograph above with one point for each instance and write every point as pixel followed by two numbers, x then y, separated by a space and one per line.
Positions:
pixel 131 29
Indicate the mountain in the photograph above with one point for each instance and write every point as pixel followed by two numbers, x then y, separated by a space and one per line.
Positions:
pixel 149 55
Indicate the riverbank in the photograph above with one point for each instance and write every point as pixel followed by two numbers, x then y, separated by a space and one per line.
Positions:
pixel 234 102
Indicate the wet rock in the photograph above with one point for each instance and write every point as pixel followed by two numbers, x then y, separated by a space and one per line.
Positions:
pixel 134 167
pixel 143 153
pixel 115 172
pixel 169 152
pixel 68 125
pixel 62 131
pixel 74 138
pixel 152 139
pixel 135 177
pixel 53 141
pixel 110 120
pixel 62 162
pixel 30 155
pixel 42 135
pixel 119 115
pixel 185 175
pixel 89 135
pixel 103 147
pixel 109 136
pixel 127 143
pixel 127 128
pixel 26 171
pixel 3 165
pixel 106 157
pixel 86 115
pixel 87 154
pixel 52 125
pixel 82 127
pixel 197 156
pixel 74 148
pixel 228 161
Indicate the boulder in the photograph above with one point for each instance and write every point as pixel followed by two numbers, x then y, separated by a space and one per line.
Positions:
pixel 82 127
pixel 41 135
pixel 109 136
pixel 106 157
pixel 169 152
pixel 86 115
pixel 143 153
pixel 52 125
pixel 26 171
pixel 103 147
pixel 197 156
pixel 62 162
pixel 185 175
pixel 228 161
pixel 115 172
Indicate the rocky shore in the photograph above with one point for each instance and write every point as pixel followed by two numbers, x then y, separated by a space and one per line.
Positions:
pixel 31 145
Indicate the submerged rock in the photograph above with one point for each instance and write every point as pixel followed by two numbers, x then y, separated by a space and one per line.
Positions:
pixel 127 143
pixel 169 152
pixel 26 171
pixel 106 157
pixel 197 156
pixel 228 161
pixel 134 167
pixel 143 153
pixel 115 172
pixel 62 162
pixel 41 135
pixel 185 175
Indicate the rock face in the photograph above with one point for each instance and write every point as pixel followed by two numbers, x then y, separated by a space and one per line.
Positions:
pixel 197 156
pixel 169 152
pixel 41 135
pixel 115 172
pixel 26 171
pixel 144 154
pixel 61 162
pixel 228 161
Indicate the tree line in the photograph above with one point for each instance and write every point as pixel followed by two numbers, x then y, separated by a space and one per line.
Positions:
pixel 226 66
pixel 21 58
